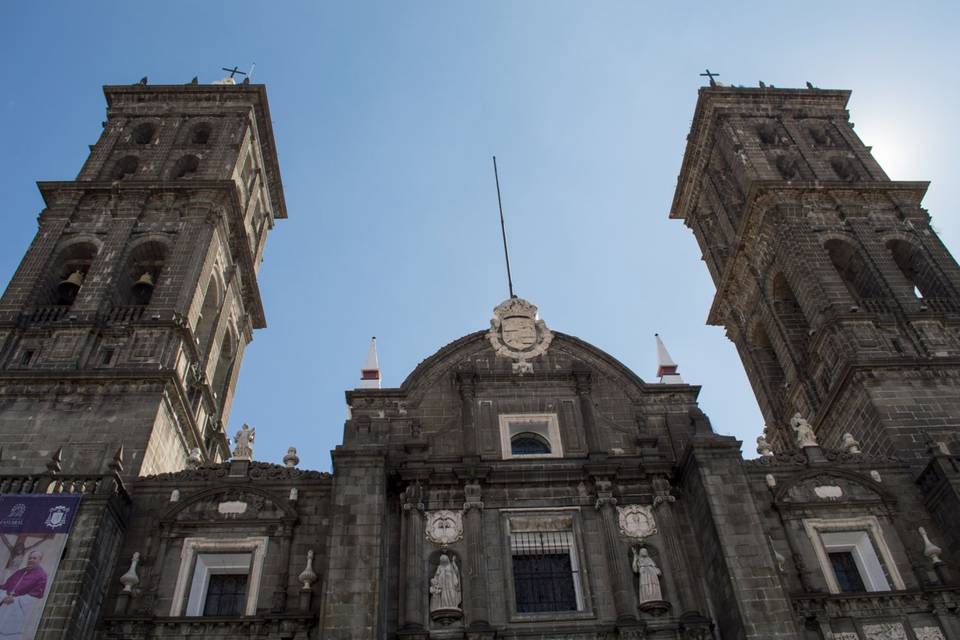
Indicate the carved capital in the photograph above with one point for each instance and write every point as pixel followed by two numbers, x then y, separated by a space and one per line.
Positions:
pixel 478 505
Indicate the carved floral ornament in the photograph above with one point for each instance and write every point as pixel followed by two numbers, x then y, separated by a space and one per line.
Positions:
pixel 517 333
pixel 444 527
pixel 636 521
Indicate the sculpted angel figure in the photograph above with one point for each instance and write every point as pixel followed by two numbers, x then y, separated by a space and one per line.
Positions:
pixel 805 435
pixel 445 585
pixel 244 439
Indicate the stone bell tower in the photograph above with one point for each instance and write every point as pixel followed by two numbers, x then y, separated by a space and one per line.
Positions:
pixel 842 301
pixel 128 316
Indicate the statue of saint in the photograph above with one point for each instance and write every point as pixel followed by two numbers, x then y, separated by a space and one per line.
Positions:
pixel 805 435
pixel 445 585
pixel 649 573
pixel 244 439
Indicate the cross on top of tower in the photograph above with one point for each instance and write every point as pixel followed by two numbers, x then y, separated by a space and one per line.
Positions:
pixel 236 70
pixel 708 74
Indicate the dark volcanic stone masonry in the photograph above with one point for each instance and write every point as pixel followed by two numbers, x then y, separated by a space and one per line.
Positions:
pixel 520 483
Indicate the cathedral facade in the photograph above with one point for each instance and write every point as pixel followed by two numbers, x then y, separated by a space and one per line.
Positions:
pixel 520 483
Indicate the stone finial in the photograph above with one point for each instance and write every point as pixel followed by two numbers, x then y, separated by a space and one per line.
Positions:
pixel 116 463
pixel 55 465
pixel 777 555
pixel 291 459
pixel 666 367
pixel 849 444
pixel 370 372
pixel 194 458
pixel 244 443
pixel 763 447
pixel 308 576
pixel 930 550
pixel 130 579
pixel 805 435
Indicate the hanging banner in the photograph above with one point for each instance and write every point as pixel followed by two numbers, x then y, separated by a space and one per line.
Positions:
pixel 33 531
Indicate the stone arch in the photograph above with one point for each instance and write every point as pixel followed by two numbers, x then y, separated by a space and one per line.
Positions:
pixel 176 511
pixel 765 359
pixel 882 493
pixel 789 312
pixel 209 311
pixel 136 282
pixel 185 167
pixel 72 262
pixel 917 269
pixel 226 361
pixel 853 269
pixel 144 133
pixel 125 167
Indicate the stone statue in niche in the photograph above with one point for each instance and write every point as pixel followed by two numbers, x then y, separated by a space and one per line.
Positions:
pixel 244 441
pixel 444 527
pixel 650 595
pixel 445 591
pixel 805 435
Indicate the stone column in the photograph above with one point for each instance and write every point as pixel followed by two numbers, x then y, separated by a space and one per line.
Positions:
pixel 467 382
pixel 411 545
pixel 583 386
pixel 623 599
pixel 475 607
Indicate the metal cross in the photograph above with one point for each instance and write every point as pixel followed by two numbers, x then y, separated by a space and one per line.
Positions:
pixel 236 69
pixel 708 74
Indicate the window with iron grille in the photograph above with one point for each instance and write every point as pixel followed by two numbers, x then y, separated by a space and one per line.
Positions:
pixel 226 594
pixel 545 571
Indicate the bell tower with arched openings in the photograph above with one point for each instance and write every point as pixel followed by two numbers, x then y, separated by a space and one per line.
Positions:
pixel 128 316
pixel 840 297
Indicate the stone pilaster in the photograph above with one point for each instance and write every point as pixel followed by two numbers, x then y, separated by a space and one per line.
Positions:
pixel 739 567
pixel 411 583
pixel 475 606
pixel 623 599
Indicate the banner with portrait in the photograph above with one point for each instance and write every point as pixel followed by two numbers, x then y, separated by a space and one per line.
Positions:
pixel 33 531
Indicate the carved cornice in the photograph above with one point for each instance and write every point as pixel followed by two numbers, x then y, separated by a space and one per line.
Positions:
pixel 257 471
pixel 875 604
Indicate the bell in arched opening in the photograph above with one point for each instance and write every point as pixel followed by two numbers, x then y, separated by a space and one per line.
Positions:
pixel 142 289
pixel 68 288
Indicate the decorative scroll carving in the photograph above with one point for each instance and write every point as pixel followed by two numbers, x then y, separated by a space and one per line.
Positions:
pixel 885 631
pixel 444 527
pixel 636 521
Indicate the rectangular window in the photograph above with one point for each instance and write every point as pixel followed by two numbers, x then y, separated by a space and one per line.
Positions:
pixel 545 566
pixel 226 594
pixel 219 576
pixel 530 436
pixel 853 554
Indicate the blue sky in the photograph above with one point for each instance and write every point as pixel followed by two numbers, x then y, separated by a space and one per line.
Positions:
pixel 386 115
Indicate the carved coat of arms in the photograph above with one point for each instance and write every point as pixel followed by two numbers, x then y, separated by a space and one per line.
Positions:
pixel 444 527
pixel 516 333
pixel 636 521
